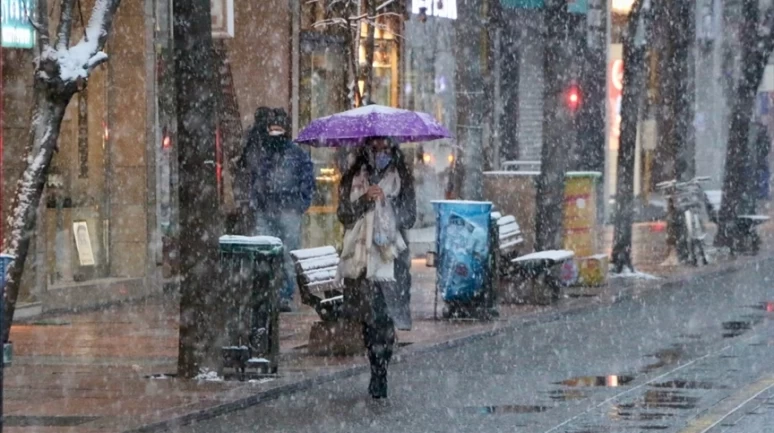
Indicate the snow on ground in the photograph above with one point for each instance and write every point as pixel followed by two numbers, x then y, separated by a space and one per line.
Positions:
pixel 627 273
pixel 208 376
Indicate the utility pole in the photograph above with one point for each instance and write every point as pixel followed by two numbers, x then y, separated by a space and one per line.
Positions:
pixel 198 189
pixel 558 127
pixel 472 57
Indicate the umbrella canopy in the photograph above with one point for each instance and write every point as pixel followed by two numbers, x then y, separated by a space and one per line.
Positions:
pixel 353 127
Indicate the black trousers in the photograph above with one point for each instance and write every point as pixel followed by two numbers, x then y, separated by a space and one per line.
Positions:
pixel 379 335
pixel 364 302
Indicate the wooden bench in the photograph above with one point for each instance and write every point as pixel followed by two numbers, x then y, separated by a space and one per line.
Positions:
pixel 541 271
pixel 746 226
pixel 315 276
pixel 333 335
pixel 509 238
pixel 538 270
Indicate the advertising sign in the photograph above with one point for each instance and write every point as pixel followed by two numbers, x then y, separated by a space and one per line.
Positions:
pixel 463 248
pixel 222 13
pixel 17 29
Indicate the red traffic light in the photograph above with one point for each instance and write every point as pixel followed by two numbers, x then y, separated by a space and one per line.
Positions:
pixel 573 98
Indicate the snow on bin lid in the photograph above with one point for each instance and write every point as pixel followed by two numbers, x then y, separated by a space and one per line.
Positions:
pixel 251 240
pixel 583 174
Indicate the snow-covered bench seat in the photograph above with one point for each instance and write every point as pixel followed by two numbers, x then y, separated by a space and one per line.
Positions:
pixel 540 268
pixel 316 275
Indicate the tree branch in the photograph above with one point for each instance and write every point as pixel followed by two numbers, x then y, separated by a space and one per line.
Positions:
pixel 41 25
pixel 65 26
pixel 100 23
pixel 384 5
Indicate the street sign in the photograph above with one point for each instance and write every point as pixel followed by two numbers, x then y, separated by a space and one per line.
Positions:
pixel 577 6
pixel 17 29
pixel 522 4
pixel 573 6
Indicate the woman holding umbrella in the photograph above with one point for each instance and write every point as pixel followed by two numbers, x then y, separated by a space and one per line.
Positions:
pixel 376 206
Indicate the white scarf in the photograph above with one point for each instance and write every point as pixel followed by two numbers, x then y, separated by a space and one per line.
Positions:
pixel 359 251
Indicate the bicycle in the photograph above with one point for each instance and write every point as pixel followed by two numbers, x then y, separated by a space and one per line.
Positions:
pixel 690 201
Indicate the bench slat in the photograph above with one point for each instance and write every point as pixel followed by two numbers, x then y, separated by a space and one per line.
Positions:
pixel 510 245
pixel 509 229
pixel 754 217
pixel 322 286
pixel 333 300
pixel 311 253
pixel 508 219
pixel 551 255
pixel 309 265
pixel 320 275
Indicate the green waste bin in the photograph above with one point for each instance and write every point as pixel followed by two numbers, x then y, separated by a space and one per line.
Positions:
pixel 252 273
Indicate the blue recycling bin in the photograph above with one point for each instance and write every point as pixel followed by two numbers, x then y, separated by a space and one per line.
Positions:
pixel 462 249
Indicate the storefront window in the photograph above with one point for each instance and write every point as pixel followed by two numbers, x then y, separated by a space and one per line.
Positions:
pixel 75 220
pixel 324 90
pixel 323 77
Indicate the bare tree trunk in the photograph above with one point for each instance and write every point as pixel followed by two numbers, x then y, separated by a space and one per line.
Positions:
pixel 60 72
pixel 47 121
pixel 630 104
pixel 756 49
pixel 685 12
pixel 199 213
pixel 469 82
pixel 557 129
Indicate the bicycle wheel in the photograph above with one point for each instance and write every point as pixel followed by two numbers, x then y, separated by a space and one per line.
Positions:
pixel 699 234
pixel 689 238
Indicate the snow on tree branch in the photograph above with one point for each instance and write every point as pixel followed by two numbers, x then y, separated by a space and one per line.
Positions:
pixel 72 64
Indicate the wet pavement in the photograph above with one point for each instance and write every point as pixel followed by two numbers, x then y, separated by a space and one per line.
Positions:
pixel 665 361
pixel 110 370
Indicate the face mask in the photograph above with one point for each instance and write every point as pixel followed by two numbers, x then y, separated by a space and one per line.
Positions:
pixel 382 159
pixel 275 142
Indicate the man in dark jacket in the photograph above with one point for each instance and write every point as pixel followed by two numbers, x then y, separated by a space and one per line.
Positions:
pixel 282 183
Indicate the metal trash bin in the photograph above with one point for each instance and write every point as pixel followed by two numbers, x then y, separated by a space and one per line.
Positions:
pixel 463 256
pixel 252 273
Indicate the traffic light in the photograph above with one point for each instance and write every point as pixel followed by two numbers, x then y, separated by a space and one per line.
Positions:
pixel 573 97
pixel 166 140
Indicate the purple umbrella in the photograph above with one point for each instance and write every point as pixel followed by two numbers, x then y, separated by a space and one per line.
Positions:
pixel 353 127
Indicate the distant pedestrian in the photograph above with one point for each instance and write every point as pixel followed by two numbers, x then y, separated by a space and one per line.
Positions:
pixel 282 184
pixel 377 205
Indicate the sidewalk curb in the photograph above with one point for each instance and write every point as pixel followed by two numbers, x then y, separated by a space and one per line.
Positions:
pixel 629 291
